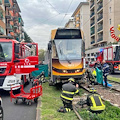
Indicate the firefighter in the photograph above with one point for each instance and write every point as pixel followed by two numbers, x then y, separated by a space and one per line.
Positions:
pixel 94 102
pixel 68 91
pixel 105 68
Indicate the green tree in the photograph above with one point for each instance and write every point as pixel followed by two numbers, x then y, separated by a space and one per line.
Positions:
pixel 41 54
pixel 27 38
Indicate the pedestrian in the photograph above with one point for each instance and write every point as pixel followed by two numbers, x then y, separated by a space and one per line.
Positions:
pixel 99 73
pixel 68 91
pixel 105 68
pixel 94 102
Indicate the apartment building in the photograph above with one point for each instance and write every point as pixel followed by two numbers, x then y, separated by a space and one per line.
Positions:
pixel 70 24
pixel 82 20
pixel 11 23
pixel 104 14
pixel 2 19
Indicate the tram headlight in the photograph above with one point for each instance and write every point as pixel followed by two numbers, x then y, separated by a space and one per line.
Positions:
pixel 78 70
pixel 65 71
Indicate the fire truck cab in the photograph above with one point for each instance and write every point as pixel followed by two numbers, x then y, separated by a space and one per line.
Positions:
pixel 17 61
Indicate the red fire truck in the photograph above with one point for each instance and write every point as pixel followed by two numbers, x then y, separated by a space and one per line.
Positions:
pixel 17 61
pixel 111 55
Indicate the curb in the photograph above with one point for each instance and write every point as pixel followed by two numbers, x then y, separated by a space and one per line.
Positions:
pixel 38 109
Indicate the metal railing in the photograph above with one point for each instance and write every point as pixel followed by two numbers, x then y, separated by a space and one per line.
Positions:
pixel 92 42
pixel 100 39
pixel 1 31
pixel 100 28
pixel 92 14
pixel 92 5
pixel 99 7
pixel 92 23
pixel 100 18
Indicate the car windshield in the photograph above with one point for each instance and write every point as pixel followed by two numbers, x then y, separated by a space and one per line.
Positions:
pixel 68 49
pixel 5 51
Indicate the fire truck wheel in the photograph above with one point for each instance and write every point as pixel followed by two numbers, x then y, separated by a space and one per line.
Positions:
pixel 16 101
pixel 24 100
pixel 1 113
pixel 35 100
pixel 29 102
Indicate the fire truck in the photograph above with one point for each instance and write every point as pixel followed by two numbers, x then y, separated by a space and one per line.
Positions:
pixel 17 61
pixel 111 55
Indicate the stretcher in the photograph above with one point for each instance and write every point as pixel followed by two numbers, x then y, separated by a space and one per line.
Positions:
pixel 35 92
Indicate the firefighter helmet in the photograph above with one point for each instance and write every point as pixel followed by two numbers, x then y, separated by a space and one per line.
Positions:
pixel 71 79
pixel 92 90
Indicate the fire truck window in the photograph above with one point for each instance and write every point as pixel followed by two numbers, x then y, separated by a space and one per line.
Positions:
pixel 5 54
pixel 117 53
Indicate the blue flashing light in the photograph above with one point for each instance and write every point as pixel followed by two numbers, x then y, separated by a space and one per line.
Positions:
pixel 101 50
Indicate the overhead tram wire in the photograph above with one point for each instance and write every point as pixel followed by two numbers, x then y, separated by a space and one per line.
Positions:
pixel 52 6
pixel 66 12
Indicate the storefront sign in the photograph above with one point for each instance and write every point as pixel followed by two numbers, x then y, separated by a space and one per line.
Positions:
pixel 113 33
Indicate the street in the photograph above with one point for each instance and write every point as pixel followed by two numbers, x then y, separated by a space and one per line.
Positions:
pixel 20 111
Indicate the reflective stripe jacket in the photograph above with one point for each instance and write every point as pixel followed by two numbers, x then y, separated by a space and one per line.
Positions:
pixel 68 91
pixel 105 67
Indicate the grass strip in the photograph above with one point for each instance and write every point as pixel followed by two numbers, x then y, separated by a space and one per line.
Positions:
pixel 50 102
pixel 113 79
pixel 110 113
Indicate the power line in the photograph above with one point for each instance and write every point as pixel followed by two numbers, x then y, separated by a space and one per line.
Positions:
pixel 66 12
pixel 52 6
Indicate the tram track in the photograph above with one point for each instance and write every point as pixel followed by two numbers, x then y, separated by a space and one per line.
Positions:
pixel 113 97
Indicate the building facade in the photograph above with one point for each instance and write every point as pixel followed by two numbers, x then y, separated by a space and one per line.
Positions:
pixel 82 21
pixel 104 18
pixel 70 24
pixel 11 23
pixel 2 19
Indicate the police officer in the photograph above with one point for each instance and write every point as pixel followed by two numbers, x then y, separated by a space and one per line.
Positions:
pixel 94 102
pixel 68 91
pixel 105 68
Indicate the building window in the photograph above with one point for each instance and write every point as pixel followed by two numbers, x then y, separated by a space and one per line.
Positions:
pixel 110 9
pixel 110 21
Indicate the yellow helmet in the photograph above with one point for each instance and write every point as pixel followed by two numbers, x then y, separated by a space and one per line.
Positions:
pixel 71 79
pixel 92 90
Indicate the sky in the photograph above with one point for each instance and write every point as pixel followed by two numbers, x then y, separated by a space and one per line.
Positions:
pixel 41 16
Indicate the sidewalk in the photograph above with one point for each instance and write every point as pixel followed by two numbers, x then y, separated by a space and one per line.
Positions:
pixel 38 109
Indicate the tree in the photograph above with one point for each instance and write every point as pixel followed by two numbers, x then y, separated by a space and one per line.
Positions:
pixel 27 38
pixel 41 54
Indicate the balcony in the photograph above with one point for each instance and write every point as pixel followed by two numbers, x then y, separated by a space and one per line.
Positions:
pixel 100 28
pixel 7 3
pixel 92 14
pixel 0 2
pixel 14 1
pixel 15 25
pixel 92 23
pixel 92 42
pixel 1 15
pixel 15 18
pixel 100 39
pixel 92 5
pixel 9 27
pixel 100 18
pixel 99 7
pixel 8 17
pixel 92 32
pixel 1 31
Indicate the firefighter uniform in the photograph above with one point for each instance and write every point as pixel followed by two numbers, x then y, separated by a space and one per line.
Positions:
pixel 68 91
pixel 95 103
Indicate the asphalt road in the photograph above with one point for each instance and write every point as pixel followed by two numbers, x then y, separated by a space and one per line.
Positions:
pixel 20 111
pixel 116 74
